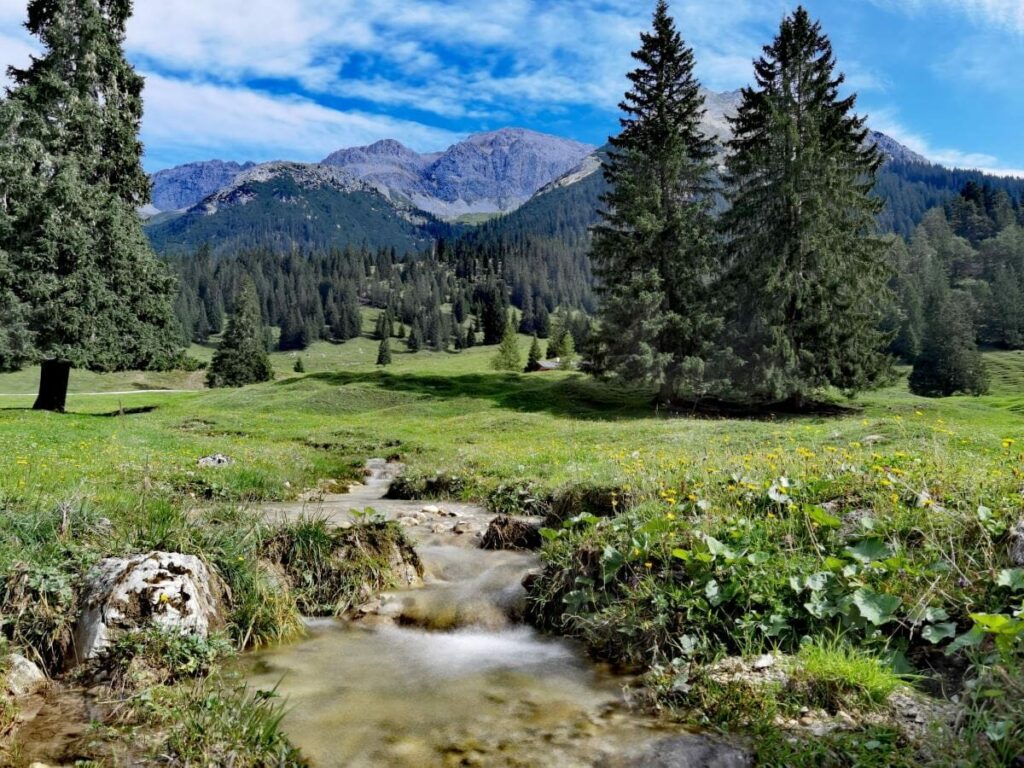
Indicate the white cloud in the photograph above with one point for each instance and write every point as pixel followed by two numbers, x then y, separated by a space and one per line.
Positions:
pixel 445 57
pixel 889 124
pixel 199 120
pixel 1004 14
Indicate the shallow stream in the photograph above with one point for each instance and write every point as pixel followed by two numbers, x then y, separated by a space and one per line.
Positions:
pixel 442 676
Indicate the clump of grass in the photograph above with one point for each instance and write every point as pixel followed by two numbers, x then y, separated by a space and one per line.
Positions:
pixel 331 569
pixel 442 486
pixel 589 498
pixel 155 656
pixel 991 726
pixel 872 747
pixel 834 675
pixel 705 701
pixel 215 723
pixel 518 497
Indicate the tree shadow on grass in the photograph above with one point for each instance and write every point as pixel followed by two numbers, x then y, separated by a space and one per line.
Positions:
pixel 573 397
pixel 579 396
pixel 137 411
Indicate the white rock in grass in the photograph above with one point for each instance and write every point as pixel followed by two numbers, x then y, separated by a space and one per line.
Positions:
pixel 23 677
pixel 767 661
pixel 165 589
pixel 216 460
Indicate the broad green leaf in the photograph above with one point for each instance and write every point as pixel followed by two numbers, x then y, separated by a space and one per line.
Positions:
pixel 970 639
pixel 936 633
pixel 549 534
pixel 934 614
pixel 818 581
pixel 876 608
pixel 822 518
pixel 611 561
pixel 718 549
pixel 578 598
pixel 1012 578
pixel 713 592
pixel 999 730
pixel 999 623
pixel 681 554
pixel 869 550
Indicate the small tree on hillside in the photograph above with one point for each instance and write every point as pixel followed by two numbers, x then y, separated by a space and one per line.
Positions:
pixel 508 356
pixel 533 359
pixel 415 341
pixel 567 350
pixel 384 352
pixel 949 361
pixel 242 356
pixel 492 297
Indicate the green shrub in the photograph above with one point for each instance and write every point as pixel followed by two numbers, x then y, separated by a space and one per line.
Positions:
pixel 519 497
pixel 991 728
pixel 213 723
pixel 161 657
pixel 440 486
pixel 588 499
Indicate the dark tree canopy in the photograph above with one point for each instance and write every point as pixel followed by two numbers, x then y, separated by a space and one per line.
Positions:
pixel 93 294
pixel 655 243
pixel 242 355
pixel 949 361
pixel 384 352
pixel 808 273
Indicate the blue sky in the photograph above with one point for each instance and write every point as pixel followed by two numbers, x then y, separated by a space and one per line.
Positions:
pixel 296 79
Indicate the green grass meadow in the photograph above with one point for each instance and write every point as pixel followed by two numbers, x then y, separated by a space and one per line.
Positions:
pixel 737 502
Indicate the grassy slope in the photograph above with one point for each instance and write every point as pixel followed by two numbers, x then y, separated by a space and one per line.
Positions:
pixel 451 413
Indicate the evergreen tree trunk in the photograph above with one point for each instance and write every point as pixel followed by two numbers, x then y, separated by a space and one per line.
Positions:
pixel 53 386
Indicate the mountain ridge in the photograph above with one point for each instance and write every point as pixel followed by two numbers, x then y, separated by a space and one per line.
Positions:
pixel 490 172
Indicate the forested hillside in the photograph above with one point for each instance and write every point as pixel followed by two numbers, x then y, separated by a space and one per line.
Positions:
pixel 438 299
pixel 285 212
pixel 967 253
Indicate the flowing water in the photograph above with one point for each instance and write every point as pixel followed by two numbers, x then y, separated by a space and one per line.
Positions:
pixel 444 676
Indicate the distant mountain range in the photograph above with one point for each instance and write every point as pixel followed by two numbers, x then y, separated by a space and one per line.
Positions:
pixel 487 173
pixel 386 194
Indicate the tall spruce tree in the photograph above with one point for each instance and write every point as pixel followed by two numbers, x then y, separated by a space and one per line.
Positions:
pixel 93 294
pixel 242 356
pixel 534 357
pixel 808 272
pixel 657 235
